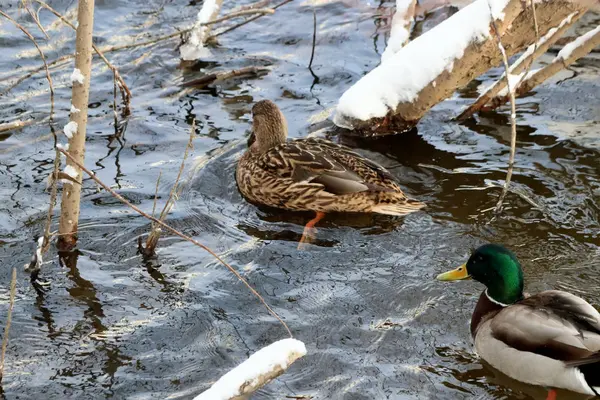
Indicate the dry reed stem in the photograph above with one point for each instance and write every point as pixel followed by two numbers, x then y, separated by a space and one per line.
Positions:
pixel 11 303
pixel 524 62
pixel 52 203
pixel 239 14
pixel 125 92
pixel 222 76
pixel 71 195
pixel 541 75
pixel 14 125
pixel 156 193
pixel 535 43
pixel 177 233
pixel 39 51
pixel 513 122
pixel 34 71
pixel 152 240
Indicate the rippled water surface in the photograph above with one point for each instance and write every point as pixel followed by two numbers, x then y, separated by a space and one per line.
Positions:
pixel 363 298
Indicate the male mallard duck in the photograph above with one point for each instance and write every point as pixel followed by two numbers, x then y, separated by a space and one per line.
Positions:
pixel 313 174
pixel 551 339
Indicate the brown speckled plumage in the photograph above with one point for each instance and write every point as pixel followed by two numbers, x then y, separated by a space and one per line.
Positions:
pixel 313 174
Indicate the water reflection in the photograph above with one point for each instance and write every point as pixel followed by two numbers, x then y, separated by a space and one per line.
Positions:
pixel 115 324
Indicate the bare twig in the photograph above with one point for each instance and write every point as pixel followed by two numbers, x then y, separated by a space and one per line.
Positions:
pixel 534 51
pixel 222 76
pixel 35 18
pixel 14 125
pixel 39 51
pixel 513 122
pixel 152 240
pixel 535 44
pixel 11 303
pixel 245 22
pixel 181 235
pixel 239 14
pixel 125 92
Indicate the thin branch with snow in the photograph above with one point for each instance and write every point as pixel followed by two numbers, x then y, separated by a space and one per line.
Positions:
pixel 533 51
pixel 573 51
pixel 401 23
pixel 258 370
pixel 193 48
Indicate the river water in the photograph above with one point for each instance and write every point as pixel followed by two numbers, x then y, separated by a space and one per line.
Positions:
pixel 363 298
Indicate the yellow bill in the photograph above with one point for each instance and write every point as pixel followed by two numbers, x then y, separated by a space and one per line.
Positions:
pixel 455 274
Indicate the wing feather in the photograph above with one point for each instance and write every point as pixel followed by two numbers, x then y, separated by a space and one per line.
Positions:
pixel 320 162
pixel 555 324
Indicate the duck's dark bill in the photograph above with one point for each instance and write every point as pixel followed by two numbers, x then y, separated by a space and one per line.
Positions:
pixel 455 274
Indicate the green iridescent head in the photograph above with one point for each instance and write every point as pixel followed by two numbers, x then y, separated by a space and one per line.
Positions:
pixel 497 268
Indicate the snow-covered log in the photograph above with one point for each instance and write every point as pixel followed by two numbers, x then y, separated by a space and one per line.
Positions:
pixel 193 48
pixel 258 370
pixel 394 96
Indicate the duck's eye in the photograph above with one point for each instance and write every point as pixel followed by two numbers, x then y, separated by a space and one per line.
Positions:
pixel 251 139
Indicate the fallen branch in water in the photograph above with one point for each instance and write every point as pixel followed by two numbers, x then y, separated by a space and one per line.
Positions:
pixel 45 67
pixel 177 233
pixel 150 249
pixel 11 303
pixel 14 125
pixel 222 76
pixel 110 49
pixel 534 51
pixel 258 370
pixel 239 14
pixel 125 92
pixel 224 31
pixel 573 51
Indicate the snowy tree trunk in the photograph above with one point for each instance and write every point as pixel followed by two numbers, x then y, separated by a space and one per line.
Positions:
pixel 396 95
pixel 76 129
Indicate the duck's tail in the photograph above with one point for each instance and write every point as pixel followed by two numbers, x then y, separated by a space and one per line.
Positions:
pixel 590 369
pixel 398 208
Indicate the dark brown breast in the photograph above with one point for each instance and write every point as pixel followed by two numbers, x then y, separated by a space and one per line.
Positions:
pixel 484 310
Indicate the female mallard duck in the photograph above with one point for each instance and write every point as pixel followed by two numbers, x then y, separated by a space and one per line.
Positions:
pixel 312 174
pixel 550 339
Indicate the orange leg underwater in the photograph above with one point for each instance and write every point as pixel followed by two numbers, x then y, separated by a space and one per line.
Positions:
pixel 551 394
pixel 310 226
